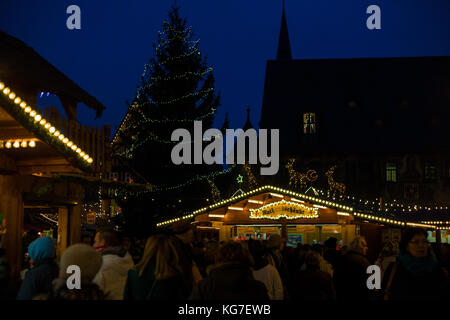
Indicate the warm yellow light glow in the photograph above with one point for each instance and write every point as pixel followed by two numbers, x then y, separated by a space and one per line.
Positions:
pixel 12 95
pixel 43 121
pixel 8 145
pixel 23 104
pixel 343 213
pixel 28 109
pixel 82 154
pixel 16 144
pixel 69 144
pixel 52 129
pixel 32 144
pixel 78 150
pixel 23 144
pixel 2 85
pixel 17 100
pixel 255 201
pixel 86 157
pixel 6 90
pixel 32 113
pixel 317 206
pixel 236 208
pixel 65 140
pixel 37 117
pixel 74 147
pixel 216 215
pixel 277 195
pixel 57 133
pixel 296 200
pixel 47 125
pixel 90 160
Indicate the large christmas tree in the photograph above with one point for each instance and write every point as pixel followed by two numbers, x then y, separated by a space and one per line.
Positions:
pixel 177 88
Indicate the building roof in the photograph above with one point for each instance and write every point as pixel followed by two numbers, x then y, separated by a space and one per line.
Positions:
pixel 23 66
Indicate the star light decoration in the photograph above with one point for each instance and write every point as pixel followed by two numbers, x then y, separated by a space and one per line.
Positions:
pixel 240 179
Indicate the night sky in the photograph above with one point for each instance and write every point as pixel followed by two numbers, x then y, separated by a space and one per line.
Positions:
pixel 106 57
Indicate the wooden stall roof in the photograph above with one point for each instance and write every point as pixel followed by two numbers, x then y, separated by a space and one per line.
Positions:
pixel 22 65
pixel 253 199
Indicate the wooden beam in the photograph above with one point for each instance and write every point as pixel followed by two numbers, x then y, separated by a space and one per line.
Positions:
pixel 63 231
pixel 7 164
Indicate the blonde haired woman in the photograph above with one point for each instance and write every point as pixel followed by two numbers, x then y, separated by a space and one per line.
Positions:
pixel 158 274
pixel 350 276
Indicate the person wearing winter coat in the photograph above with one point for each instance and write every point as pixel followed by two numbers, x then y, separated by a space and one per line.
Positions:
pixel 158 276
pixel 313 283
pixel 232 278
pixel 117 262
pixel 265 272
pixel 38 280
pixel 387 256
pixel 350 276
pixel 416 275
pixel 89 261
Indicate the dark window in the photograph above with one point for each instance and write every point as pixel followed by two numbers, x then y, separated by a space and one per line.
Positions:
pixel 391 172
pixel 430 170
pixel 411 191
pixel 309 123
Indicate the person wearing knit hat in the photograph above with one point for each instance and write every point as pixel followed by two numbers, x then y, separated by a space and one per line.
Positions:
pixel 89 261
pixel 39 279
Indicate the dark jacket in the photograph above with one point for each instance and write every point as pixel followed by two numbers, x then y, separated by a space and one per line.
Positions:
pixel 313 284
pixel 350 277
pixel 146 287
pixel 332 256
pixel 405 286
pixel 186 261
pixel 38 280
pixel 230 281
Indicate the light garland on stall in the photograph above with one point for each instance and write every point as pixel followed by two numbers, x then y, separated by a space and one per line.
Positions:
pixel 294 215
pixel 39 120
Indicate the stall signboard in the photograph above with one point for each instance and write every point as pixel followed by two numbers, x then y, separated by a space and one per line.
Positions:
pixel 286 209
pixel 331 229
pixel 90 218
pixel 304 229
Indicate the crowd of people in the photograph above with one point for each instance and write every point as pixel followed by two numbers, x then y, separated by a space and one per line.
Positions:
pixel 172 267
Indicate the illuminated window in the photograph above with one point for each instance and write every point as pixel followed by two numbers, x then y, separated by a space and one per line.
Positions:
pixel 391 172
pixel 309 123
pixel 430 170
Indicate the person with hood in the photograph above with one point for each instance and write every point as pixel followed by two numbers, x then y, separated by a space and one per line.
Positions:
pixel 387 256
pixel 232 278
pixel 417 274
pixel 331 254
pixel 350 276
pixel 158 276
pixel 89 261
pixel 38 280
pixel 117 262
pixel 265 272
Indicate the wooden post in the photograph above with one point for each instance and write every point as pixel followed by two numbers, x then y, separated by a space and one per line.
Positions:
pixel 75 224
pixel 283 228
pixel 11 207
pixel 63 231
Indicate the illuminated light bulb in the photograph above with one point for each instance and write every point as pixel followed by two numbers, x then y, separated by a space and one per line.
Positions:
pixel 69 144
pixel 16 144
pixel 37 117
pixel 47 125
pixel 6 90
pixel 23 144
pixel 90 160
pixel 32 113
pixel 32 144
pixel 52 129
pixel 12 95
pixel 8 145
pixel 82 154
pixel 23 104
pixel 65 140
pixel 74 147
pixel 61 137
pixel 17 100
pixel 86 157
pixel 28 109
pixel 78 150
pixel 57 133
pixel 43 121
pixel 2 85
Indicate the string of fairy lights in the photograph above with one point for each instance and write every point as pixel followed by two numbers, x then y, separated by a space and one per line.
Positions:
pixel 43 124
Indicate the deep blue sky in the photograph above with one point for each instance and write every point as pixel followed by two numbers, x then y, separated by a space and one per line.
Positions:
pixel 106 57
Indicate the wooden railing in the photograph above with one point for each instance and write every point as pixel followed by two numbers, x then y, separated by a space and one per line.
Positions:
pixel 93 141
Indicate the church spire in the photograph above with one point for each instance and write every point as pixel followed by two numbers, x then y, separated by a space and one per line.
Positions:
pixel 248 124
pixel 284 46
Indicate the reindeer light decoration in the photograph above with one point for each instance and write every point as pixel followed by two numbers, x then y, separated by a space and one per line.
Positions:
pixel 297 178
pixel 333 185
